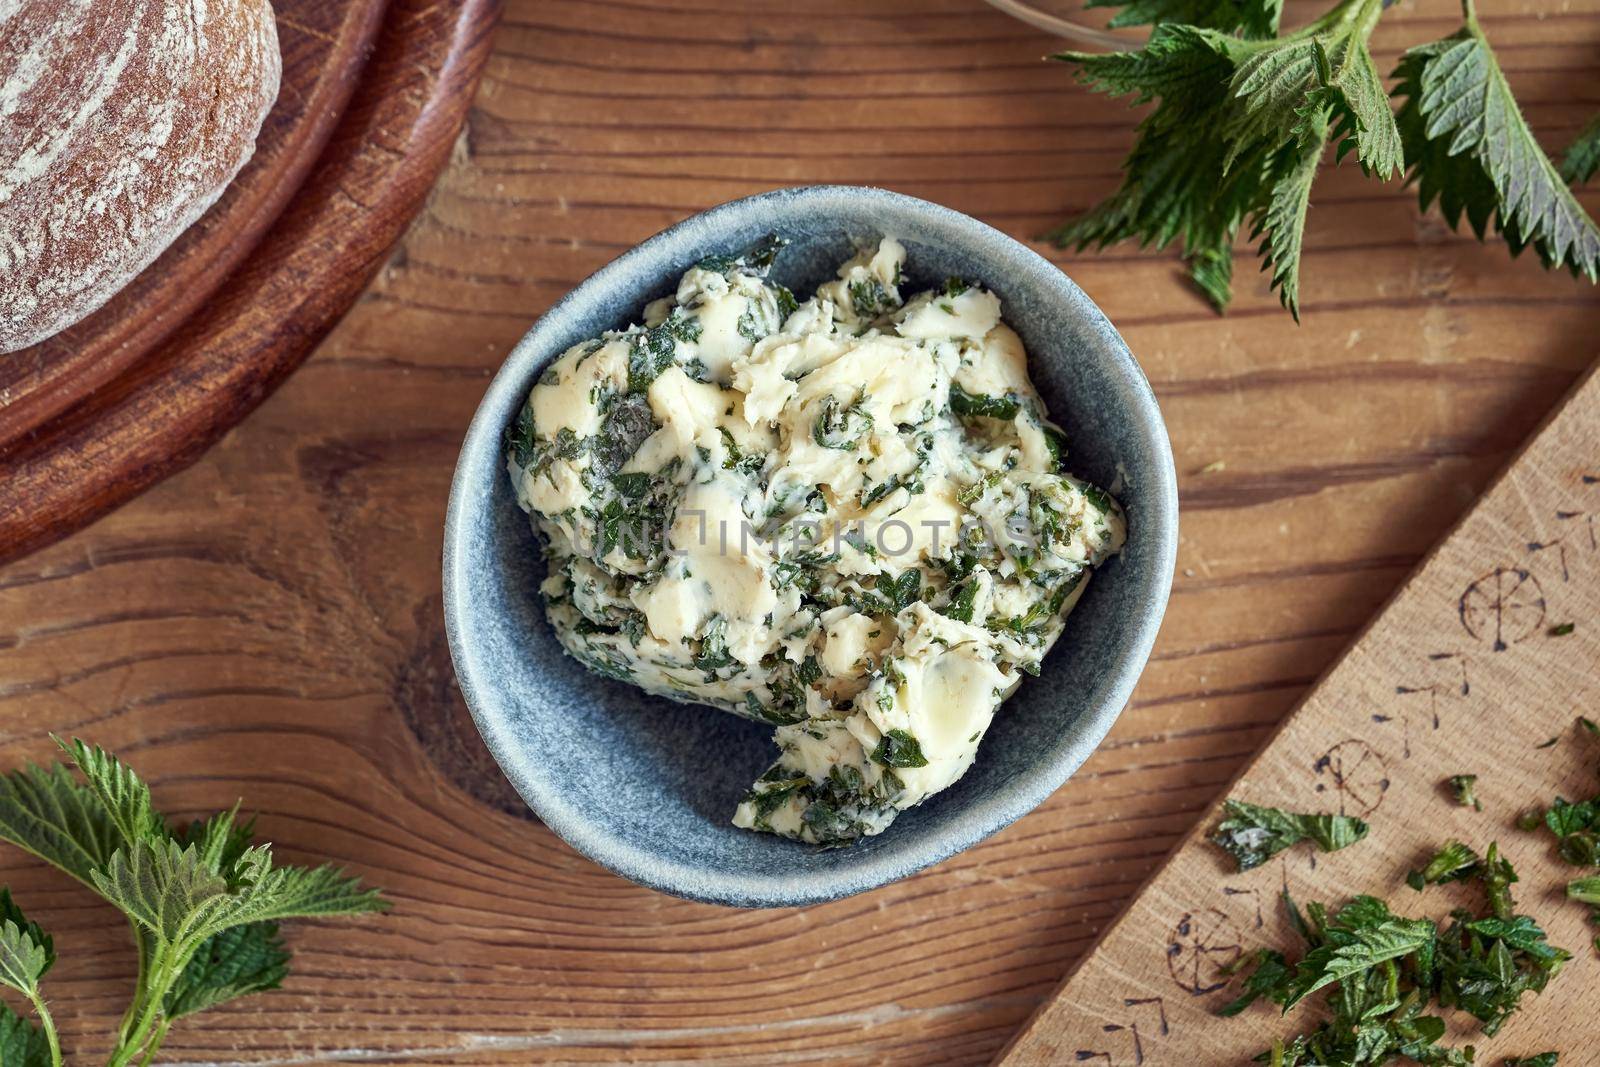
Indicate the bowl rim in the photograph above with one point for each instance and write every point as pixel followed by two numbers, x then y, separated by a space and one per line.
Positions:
pixel 1025 791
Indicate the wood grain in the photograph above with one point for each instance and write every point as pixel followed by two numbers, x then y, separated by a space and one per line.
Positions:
pixel 374 95
pixel 1486 654
pixel 267 623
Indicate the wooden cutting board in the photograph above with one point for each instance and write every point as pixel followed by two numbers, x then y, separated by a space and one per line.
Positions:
pixel 374 95
pixel 1467 670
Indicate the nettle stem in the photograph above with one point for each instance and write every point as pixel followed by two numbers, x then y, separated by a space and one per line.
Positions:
pixel 49 1026
pixel 150 1025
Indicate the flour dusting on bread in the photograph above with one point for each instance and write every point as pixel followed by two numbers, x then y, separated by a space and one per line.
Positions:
pixel 120 124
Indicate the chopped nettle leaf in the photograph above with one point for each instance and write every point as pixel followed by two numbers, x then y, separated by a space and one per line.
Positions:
pixel 1585 889
pixel 900 593
pixel 1464 788
pixel 1384 971
pixel 899 749
pixel 1543 1059
pixel 1562 630
pixel 1252 834
pixel 203 900
pixel 976 404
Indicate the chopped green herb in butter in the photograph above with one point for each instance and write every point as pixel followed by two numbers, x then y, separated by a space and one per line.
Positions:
pixel 845 517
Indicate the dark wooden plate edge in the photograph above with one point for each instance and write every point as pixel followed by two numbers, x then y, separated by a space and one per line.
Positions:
pixel 370 182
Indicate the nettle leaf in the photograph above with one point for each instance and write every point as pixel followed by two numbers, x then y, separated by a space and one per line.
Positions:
pixel 1270 83
pixel 46 811
pixel 234 963
pixel 1454 862
pixel 122 793
pixel 220 841
pixel 22 1044
pixel 1586 890
pixel 1582 157
pixel 1253 834
pixel 1357 941
pixel 1252 18
pixel 1282 225
pixel 26 951
pixel 1351 90
pixel 1459 104
pixel 1175 186
pixel 267 893
pixel 1211 270
pixel 164 886
pixel 1271 976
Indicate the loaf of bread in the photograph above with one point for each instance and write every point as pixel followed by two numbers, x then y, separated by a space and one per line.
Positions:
pixel 121 122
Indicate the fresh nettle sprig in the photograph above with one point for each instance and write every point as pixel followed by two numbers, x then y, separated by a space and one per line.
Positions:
pixel 1243 116
pixel 203 901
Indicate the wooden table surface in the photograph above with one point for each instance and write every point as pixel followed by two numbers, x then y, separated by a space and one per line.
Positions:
pixel 267 624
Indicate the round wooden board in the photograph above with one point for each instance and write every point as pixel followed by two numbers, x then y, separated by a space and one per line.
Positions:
pixel 374 95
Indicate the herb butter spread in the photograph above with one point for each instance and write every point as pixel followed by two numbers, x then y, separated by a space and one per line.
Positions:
pixel 845 517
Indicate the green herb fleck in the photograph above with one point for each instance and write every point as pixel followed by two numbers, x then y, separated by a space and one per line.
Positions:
pixel 897 748
pixel 979 404
pixel 1464 788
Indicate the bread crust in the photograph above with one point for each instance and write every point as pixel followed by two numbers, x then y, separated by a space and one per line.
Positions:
pixel 121 122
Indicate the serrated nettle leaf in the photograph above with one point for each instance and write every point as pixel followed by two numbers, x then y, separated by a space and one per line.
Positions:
pixel 165 887
pixel 234 963
pixel 122 793
pixel 1350 951
pixel 220 840
pixel 1211 270
pixel 26 951
pixel 1282 224
pixel 1363 119
pixel 46 812
pixel 1582 157
pixel 1458 102
pixel 22 1044
pixel 1271 978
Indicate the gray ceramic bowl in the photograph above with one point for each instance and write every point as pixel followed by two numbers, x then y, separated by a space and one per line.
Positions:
pixel 647 787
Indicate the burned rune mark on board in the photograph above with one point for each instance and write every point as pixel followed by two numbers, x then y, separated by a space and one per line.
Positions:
pixel 1131 1028
pixel 1454 685
pixel 1200 948
pixel 1588 531
pixel 1358 774
pixel 1502 607
pixel 1560 549
pixel 1254 894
